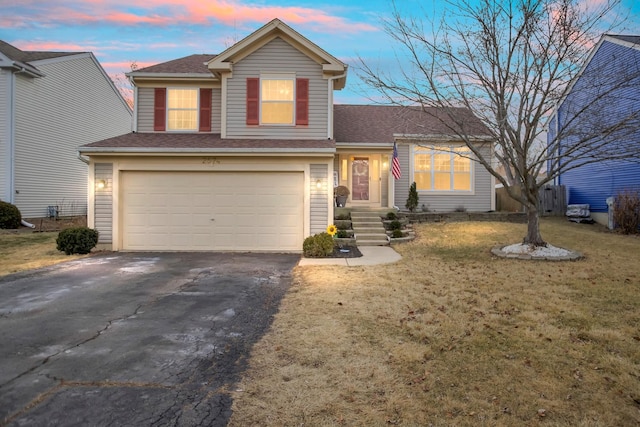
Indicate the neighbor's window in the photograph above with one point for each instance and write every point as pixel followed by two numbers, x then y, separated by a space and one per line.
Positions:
pixel 441 168
pixel 182 109
pixel 277 101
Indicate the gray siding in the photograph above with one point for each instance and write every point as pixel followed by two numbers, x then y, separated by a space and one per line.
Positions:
pixel 74 104
pixel 103 203
pixel 319 197
pixel 277 56
pixel 5 135
pixel 145 109
pixel 480 201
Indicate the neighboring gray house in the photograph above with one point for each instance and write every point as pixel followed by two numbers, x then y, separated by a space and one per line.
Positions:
pixel 50 104
pixel 241 151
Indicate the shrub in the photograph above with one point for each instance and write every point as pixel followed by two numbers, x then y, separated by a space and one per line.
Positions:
pixel 10 216
pixel 396 234
pixel 412 200
pixel 342 217
pixel 343 234
pixel 395 225
pixel 343 225
pixel 77 240
pixel 460 209
pixel 318 246
pixel 392 216
pixel 626 211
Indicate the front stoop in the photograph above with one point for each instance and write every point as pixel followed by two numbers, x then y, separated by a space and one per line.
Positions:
pixel 368 228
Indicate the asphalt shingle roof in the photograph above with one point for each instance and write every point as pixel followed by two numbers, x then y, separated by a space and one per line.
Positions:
pixel 177 141
pixel 16 54
pixel 379 123
pixel 629 39
pixel 188 64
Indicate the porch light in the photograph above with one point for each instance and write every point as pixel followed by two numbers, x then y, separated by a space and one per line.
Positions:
pixel 101 184
pixel 318 184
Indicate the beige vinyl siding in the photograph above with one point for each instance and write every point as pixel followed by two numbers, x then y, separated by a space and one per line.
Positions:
pixel 479 201
pixel 5 135
pixel 402 184
pixel 103 202
pixel 277 56
pixel 74 104
pixel 320 197
pixel 145 109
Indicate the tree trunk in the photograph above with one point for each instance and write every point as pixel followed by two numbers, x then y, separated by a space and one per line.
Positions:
pixel 533 237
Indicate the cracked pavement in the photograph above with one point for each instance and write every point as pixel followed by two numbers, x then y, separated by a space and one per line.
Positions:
pixel 134 339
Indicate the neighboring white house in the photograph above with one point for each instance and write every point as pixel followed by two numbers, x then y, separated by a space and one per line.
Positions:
pixel 50 104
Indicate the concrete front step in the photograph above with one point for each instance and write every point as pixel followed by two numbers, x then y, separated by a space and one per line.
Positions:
pixel 368 229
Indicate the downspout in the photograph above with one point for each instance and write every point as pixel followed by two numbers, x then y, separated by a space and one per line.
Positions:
pixel 330 104
pixel 12 136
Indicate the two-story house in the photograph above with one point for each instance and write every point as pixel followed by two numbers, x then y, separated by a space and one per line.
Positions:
pixel 51 103
pixel 242 150
pixel 602 107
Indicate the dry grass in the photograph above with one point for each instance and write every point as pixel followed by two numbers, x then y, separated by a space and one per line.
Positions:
pixel 25 249
pixel 452 336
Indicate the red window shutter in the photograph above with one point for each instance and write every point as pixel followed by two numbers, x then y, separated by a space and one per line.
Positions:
pixel 205 110
pixel 302 101
pixel 253 101
pixel 159 109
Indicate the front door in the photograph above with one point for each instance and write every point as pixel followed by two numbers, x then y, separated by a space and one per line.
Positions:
pixel 365 180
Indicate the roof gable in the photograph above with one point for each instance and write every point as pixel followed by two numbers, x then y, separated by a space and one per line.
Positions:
pixel 11 56
pixel 276 28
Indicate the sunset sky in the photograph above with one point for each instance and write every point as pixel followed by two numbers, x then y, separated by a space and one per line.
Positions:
pixel 147 32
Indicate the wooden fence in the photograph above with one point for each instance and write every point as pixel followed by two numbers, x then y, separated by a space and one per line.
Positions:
pixel 552 201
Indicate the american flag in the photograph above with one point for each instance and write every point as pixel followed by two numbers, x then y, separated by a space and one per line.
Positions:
pixel 395 165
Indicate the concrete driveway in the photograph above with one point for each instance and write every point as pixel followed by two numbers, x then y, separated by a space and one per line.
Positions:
pixel 134 339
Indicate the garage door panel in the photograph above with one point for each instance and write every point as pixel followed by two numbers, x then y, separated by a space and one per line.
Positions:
pixel 212 211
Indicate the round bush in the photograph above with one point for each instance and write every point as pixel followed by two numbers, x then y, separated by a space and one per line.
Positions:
pixel 396 234
pixel 395 225
pixel 392 216
pixel 77 240
pixel 10 216
pixel 318 246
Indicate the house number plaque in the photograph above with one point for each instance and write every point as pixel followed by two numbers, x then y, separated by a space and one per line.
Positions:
pixel 210 161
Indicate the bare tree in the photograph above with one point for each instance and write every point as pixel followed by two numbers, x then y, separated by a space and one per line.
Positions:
pixel 510 63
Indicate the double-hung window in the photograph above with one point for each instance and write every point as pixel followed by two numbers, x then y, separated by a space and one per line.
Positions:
pixel 442 168
pixel 182 109
pixel 277 99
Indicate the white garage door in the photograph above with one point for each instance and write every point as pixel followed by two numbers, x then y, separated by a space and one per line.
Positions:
pixel 234 211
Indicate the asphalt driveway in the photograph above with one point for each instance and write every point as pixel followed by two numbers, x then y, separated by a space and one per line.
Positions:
pixel 134 339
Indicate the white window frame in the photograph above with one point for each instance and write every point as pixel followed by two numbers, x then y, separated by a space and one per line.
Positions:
pixel 279 76
pixel 431 149
pixel 197 109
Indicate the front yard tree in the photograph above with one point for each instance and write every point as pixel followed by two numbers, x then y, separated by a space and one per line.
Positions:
pixel 509 62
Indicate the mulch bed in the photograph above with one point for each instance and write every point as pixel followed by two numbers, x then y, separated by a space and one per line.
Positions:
pixel 351 252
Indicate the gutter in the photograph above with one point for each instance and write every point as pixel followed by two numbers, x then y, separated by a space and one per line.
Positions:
pixel 330 103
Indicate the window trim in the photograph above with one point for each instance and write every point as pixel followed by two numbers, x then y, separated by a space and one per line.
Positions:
pixel 197 108
pixel 278 76
pixel 415 148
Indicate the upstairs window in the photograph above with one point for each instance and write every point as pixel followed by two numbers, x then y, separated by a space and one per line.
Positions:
pixel 182 109
pixel 277 100
pixel 178 109
pixel 442 168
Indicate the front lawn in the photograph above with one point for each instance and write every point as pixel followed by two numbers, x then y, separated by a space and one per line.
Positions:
pixel 451 335
pixel 28 250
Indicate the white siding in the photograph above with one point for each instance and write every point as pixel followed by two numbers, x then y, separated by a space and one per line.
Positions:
pixel 277 56
pixel 103 203
pixel 145 109
pixel 74 104
pixel 319 197
pixel 5 135
pixel 479 201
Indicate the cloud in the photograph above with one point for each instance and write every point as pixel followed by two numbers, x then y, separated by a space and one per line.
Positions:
pixel 163 13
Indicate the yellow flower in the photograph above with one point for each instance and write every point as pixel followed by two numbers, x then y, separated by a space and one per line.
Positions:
pixel 332 229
